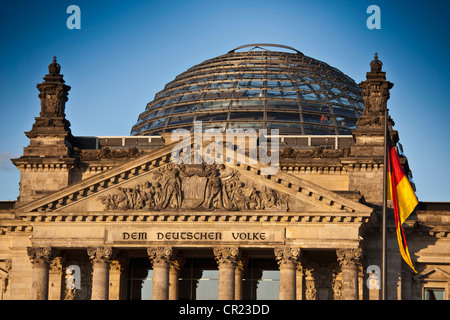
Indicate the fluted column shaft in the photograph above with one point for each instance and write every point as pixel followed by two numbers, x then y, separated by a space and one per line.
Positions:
pixel 287 259
pixel 160 259
pixel 100 258
pixel 40 259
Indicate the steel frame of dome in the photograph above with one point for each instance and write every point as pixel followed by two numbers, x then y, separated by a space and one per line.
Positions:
pixel 260 89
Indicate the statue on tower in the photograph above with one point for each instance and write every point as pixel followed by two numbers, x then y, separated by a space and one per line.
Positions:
pixel 53 92
pixel 375 91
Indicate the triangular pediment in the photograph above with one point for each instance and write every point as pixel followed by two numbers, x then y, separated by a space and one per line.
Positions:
pixel 153 182
pixel 433 273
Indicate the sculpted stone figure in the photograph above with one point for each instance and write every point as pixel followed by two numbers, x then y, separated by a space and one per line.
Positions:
pixel 219 190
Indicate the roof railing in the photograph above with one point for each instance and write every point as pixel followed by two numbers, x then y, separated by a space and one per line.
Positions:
pixel 261 45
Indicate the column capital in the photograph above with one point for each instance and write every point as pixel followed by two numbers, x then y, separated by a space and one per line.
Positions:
pixel 160 256
pixel 57 263
pixel 287 257
pixel 349 257
pixel 226 256
pixel 100 255
pixel 40 256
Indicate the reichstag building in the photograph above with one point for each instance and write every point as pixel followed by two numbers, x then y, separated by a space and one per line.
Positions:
pixel 253 175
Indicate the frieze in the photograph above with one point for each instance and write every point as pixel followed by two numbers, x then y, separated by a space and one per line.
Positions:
pixel 107 153
pixel 195 187
pixel 193 236
pixel 317 152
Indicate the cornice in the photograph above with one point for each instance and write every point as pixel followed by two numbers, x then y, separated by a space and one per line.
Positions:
pixel 200 216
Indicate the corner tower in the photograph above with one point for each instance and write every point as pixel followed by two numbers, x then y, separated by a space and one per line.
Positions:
pixel 47 160
pixel 369 134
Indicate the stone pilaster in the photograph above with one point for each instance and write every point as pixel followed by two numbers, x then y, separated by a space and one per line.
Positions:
pixel 299 280
pixel 241 265
pixel 40 258
pixel 117 276
pixel 349 260
pixel 226 258
pixel 176 265
pixel 160 258
pixel 287 259
pixel 100 258
pixel 56 276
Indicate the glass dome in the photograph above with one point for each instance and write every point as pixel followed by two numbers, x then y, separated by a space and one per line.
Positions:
pixel 257 88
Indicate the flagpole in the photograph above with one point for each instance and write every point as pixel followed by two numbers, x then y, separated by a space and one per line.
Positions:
pixel 384 243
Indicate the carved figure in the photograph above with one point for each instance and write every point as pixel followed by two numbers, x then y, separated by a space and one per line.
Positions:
pixel 219 191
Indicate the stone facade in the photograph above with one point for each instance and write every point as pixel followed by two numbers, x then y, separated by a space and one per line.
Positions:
pixel 83 215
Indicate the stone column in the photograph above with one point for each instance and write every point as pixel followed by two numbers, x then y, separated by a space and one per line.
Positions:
pixel 349 260
pixel 160 259
pixel 176 264
pixel 40 258
pixel 226 260
pixel 287 259
pixel 100 258
pixel 238 275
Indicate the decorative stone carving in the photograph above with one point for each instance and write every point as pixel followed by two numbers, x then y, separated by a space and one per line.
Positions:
pixel 227 256
pixel 241 263
pixel 56 264
pixel 321 282
pixel 199 187
pixel 160 256
pixel 4 275
pixel 349 257
pixel 177 263
pixel 337 288
pixel 100 255
pixel 40 255
pixel 317 152
pixel 310 287
pixel 107 153
pixel 287 257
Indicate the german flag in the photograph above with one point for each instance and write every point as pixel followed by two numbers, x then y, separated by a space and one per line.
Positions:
pixel 403 198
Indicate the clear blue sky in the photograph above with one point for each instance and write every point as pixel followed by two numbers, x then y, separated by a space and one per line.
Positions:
pixel 126 51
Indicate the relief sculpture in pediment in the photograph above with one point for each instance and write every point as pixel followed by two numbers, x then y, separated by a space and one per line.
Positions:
pixel 195 187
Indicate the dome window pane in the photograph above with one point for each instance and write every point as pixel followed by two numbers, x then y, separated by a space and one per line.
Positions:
pixel 185 108
pixel 280 104
pixel 181 119
pixel 248 104
pixel 248 93
pixel 250 116
pixel 282 116
pixel 212 116
pixel 215 105
pixel 309 96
